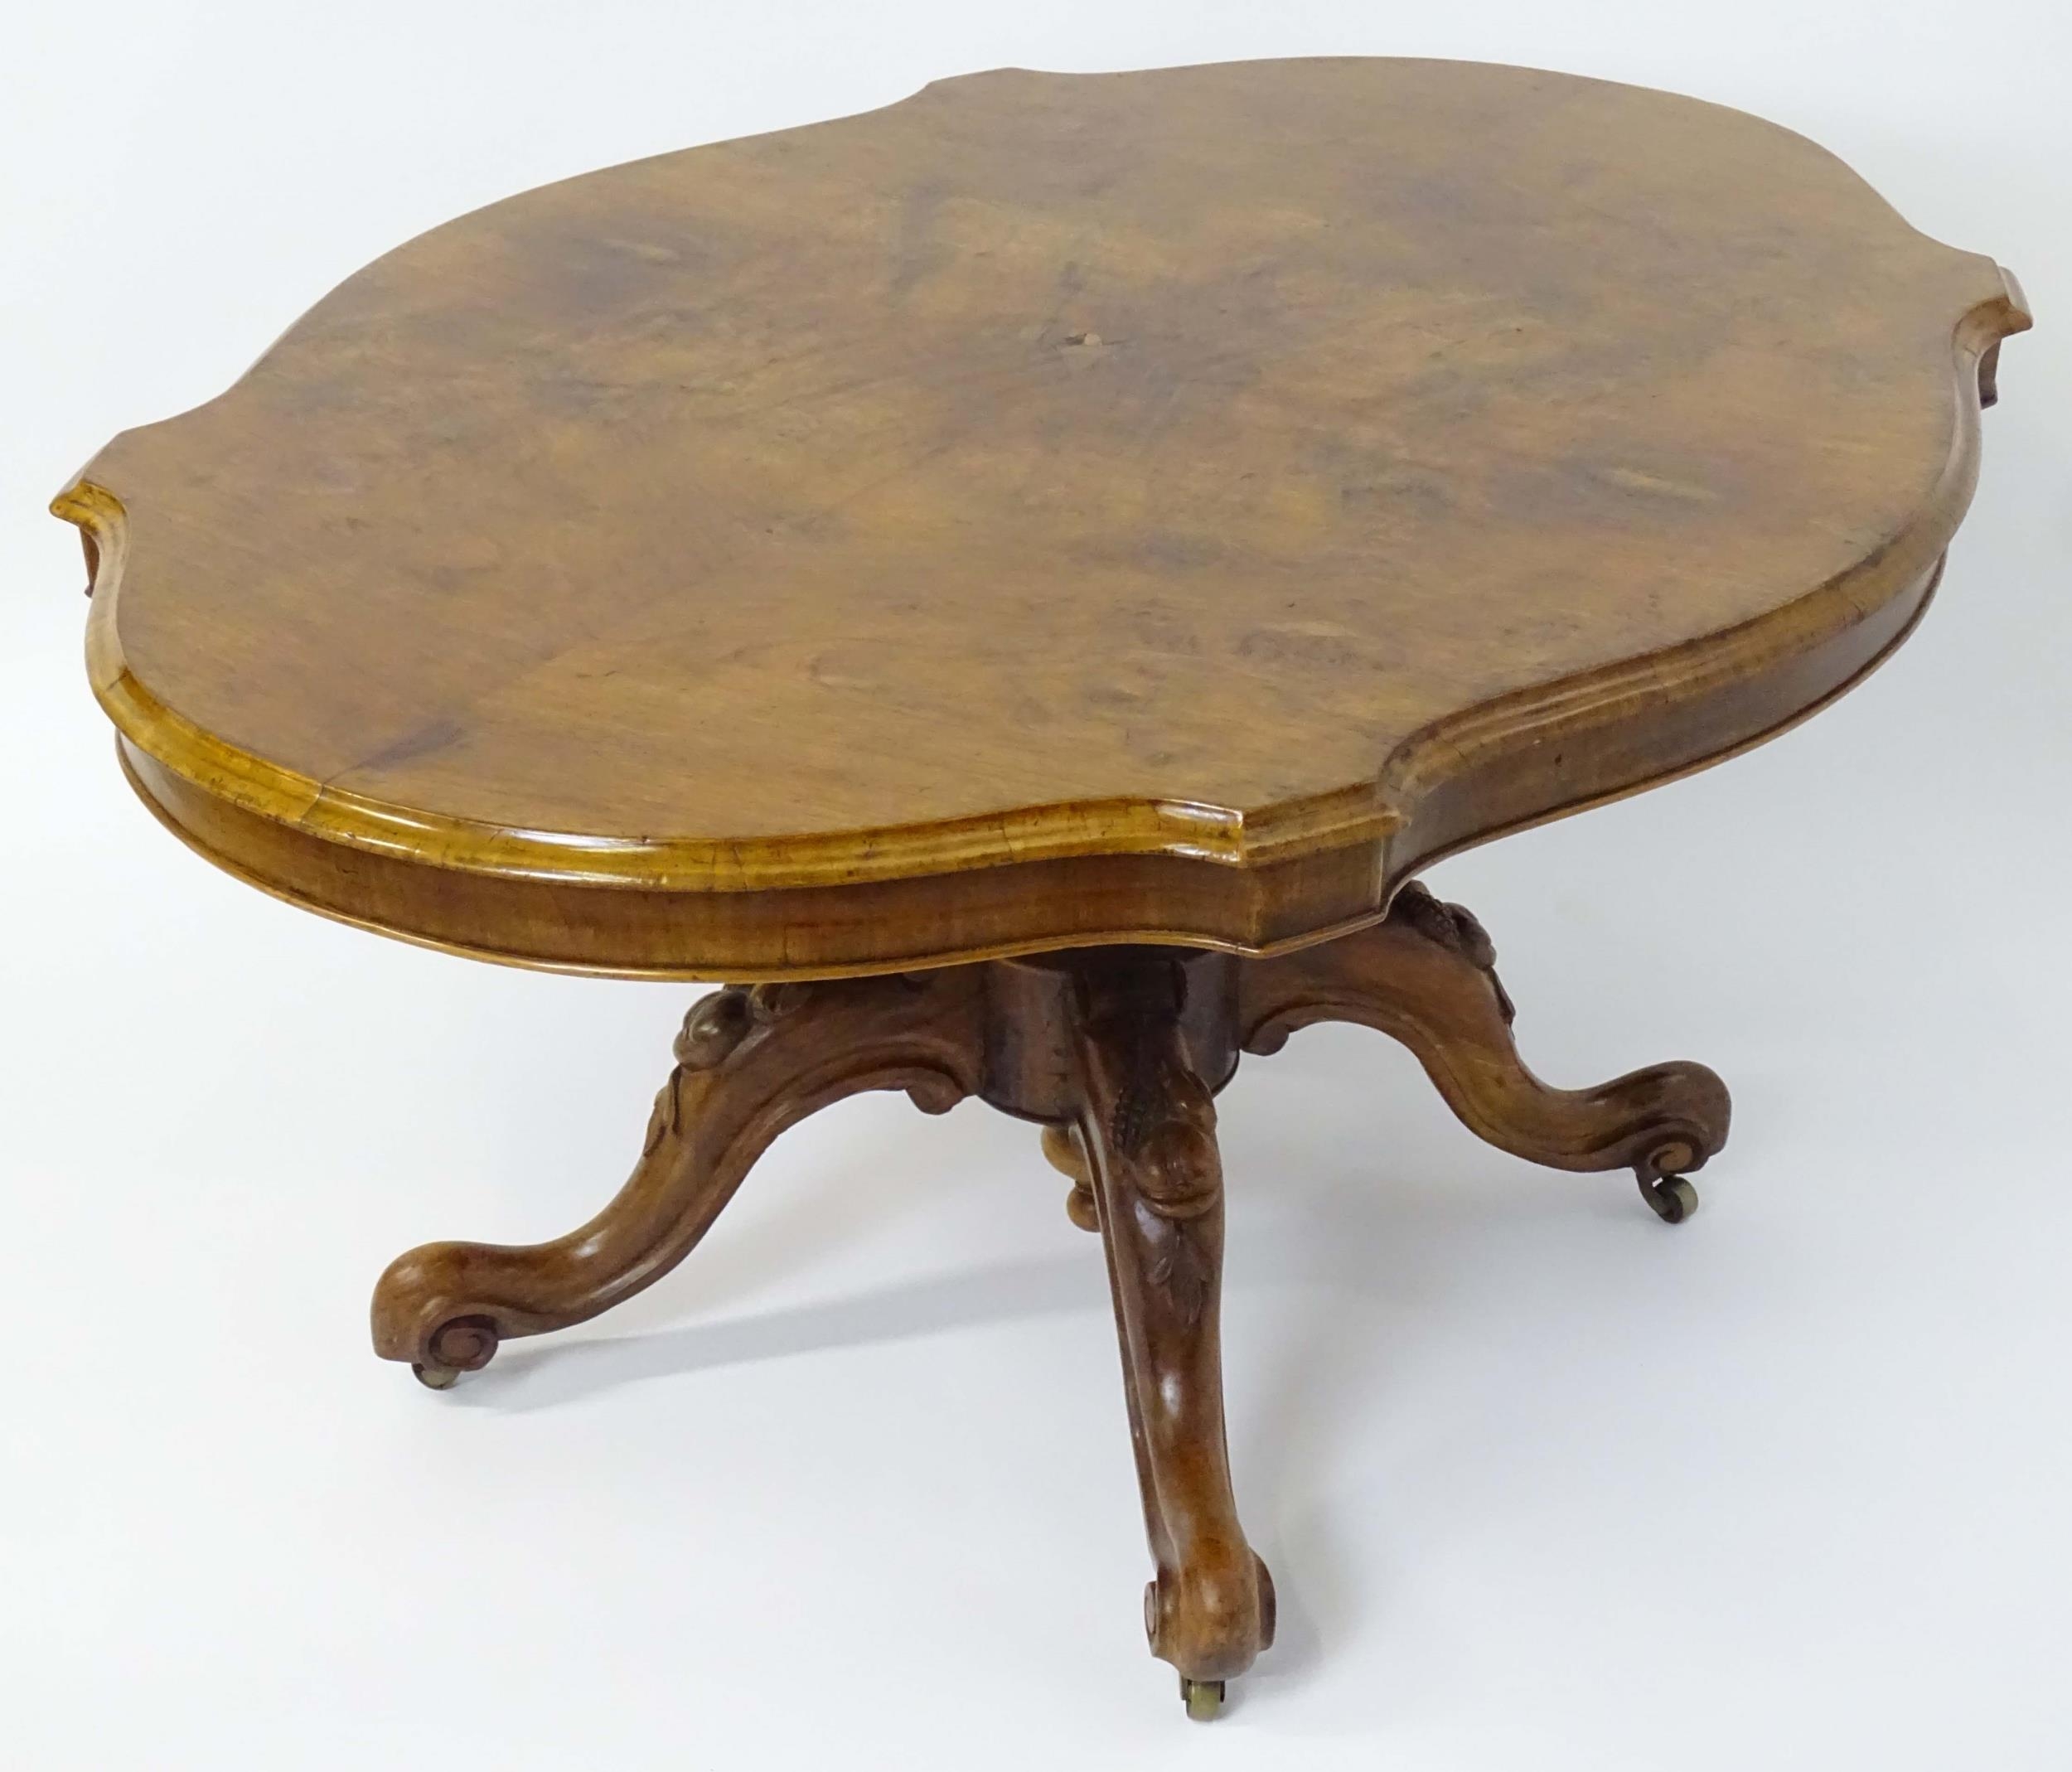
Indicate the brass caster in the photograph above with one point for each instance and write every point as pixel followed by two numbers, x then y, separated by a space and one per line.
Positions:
pixel 1080 1208
pixel 435 1378
pixel 1204 1698
pixel 1672 1197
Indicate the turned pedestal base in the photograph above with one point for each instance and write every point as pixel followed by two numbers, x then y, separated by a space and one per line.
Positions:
pixel 1117 1053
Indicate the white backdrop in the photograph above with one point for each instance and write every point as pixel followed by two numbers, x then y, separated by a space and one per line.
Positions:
pixel 1544 1484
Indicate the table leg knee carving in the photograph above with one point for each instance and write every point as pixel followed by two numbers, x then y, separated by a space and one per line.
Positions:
pixel 1426 974
pixel 749 1062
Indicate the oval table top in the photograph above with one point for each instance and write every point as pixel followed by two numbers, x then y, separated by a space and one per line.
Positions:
pixel 1055 508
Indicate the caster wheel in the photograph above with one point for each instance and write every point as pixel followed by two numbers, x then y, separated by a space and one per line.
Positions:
pixel 1204 1698
pixel 1672 1197
pixel 1080 1208
pixel 435 1378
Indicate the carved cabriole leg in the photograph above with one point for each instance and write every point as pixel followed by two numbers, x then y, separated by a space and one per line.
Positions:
pixel 749 1062
pixel 1426 974
pixel 1146 1134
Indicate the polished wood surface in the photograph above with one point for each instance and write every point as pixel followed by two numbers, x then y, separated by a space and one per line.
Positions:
pixel 1017 582
pixel 1166 506
pixel 1118 1053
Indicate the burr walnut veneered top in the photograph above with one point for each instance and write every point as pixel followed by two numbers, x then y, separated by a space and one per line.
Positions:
pixel 1156 504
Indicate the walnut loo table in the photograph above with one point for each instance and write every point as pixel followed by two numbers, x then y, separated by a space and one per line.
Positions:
pixel 1017 583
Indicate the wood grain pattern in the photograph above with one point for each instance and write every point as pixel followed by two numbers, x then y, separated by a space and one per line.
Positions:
pixel 1055 509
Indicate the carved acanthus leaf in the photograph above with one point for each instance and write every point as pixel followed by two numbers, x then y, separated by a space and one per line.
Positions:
pixel 1453 926
pixel 1178 1267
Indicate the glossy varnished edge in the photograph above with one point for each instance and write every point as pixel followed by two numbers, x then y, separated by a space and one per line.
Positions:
pixel 808 931
pixel 863 928
pixel 1082 827
pixel 1037 877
